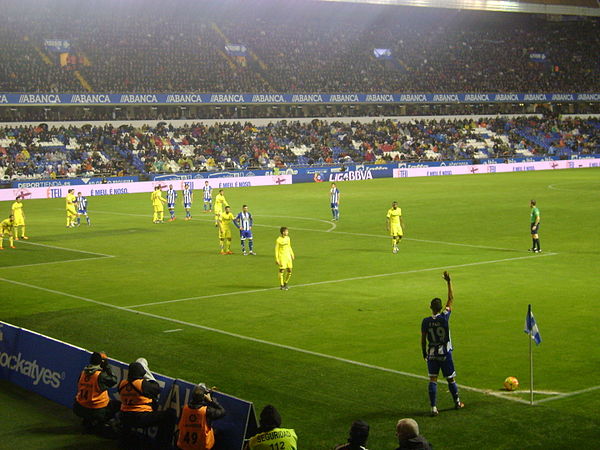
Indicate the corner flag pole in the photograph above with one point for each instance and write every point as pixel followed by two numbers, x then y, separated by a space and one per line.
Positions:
pixel 530 359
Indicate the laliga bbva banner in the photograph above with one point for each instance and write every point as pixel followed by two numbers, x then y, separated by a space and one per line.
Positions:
pixel 51 368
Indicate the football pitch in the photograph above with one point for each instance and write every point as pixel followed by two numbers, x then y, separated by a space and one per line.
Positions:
pixel 344 342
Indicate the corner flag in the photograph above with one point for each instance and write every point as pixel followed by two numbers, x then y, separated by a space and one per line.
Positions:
pixel 531 327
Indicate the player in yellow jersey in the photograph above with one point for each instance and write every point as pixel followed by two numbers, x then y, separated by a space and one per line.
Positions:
pixel 70 204
pixel 225 219
pixel 394 225
pixel 6 229
pixel 284 257
pixel 157 205
pixel 219 206
pixel 19 218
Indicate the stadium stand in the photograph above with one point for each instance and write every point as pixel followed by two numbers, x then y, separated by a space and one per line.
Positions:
pixel 184 49
pixel 42 152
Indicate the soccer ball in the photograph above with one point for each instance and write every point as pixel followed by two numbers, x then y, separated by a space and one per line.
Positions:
pixel 511 384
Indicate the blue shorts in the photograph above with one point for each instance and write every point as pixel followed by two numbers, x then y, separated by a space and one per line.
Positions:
pixel 171 205
pixel 534 230
pixel 82 211
pixel 334 205
pixel 245 234
pixel 187 205
pixel 445 363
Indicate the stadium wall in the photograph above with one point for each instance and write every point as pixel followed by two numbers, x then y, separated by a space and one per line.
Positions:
pixel 52 191
pixel 261 122
pixel 51 368
pixel 311 174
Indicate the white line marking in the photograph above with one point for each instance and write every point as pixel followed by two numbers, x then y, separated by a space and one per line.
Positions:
pixel 342 280
pixel 329 222
pixel 173 331
pixel 68 249
pixel 568 394
pixel 262 341
pixel 57 262
pixel 383 235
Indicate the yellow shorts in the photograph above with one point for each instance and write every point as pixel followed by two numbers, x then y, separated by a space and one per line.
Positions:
pixel 395 230
pixel 19 221
pixel 287 263
pixel 71 212
pixel 159 208
pixel 225 233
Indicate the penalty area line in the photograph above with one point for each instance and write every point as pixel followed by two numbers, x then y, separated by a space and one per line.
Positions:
pixel 342 280
pixel 68 249
pixel 260 341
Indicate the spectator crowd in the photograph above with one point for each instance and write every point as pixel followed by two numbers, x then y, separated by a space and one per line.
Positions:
pixel 292 47
pixel 55 152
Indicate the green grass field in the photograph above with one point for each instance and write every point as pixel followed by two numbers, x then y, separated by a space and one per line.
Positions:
pixel 343 342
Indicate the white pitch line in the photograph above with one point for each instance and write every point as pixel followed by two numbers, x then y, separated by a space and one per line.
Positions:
pixel 341 280
pixel 329 222
pixel 261 341
pixel 57 262
pixel 350 233
pixel 68 249
pixel 173 331
pixel 568 394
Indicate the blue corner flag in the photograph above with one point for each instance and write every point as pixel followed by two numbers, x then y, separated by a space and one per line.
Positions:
pixel 531 327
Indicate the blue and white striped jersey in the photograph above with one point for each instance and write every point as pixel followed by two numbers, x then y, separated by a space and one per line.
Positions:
pixel 207 193
pixel 334 194
pixel 171 196
pixel 244 221
pixel 82 203
pixel 187 196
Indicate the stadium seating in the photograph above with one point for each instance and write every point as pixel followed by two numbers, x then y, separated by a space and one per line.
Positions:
pixel 321 48
pixel 39 152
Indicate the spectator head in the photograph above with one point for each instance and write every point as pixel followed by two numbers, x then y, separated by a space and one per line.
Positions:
pixel 407 429
pixel 199 392
pixel 269 418
pixel 359 433
pixel 97 358
pixel 136 371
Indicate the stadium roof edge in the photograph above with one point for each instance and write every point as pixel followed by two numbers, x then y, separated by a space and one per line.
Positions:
pixel 487 5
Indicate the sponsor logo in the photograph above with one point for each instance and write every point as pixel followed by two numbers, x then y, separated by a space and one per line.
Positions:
pixel 53 193
pixel 307 98
pixel 381 98
pixel 267 98
pixel 39 98
pixel 563 97
pixel 506 97
pixel 589 97
pixel 535 98
pixel 227 98
pixel 446 98
pixel 184 98
pixel 31 369
pixel 90 98
pixel 477 98
pixel 343 98
pixel 351 175
pixel 412 98
pixel 108 191
pixel 139 98
pixel 3 99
